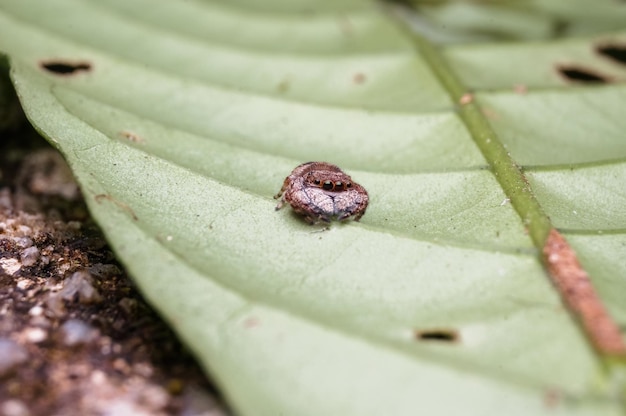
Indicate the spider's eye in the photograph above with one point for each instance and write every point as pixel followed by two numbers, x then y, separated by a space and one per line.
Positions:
pixel 349 185
pixel 328 185
pixel 338 184
pixel 317 182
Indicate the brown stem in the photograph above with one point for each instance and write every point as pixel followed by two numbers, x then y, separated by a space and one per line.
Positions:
pixel 573 283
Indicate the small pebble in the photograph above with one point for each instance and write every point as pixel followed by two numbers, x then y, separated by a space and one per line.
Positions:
pixel 36 311
pixel 41 322
pixel 55 305
pixel 25 229
pixel 14 407
pixel 143 369
pixel 30 256
pixel 23 284
pixel 80 285
pixel 35 335
pixel 12 354
pixel 98 377
pixel 76 332
pixel 23 242
pixel 10 265
pixel 155 397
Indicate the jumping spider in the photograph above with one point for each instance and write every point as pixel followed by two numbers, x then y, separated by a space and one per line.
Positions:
pixel 320 192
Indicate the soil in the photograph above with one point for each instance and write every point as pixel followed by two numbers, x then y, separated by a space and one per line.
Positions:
pixel 76 338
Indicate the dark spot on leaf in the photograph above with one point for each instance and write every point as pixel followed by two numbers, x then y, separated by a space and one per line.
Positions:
pixel 466 98
pixel 615 52
pixel 437 335
pixel 65 67
pixel 106 197
pixel 552 398
pixel 560 28
pixel 283 86
pixel 251 322
pixel 133 137
pixel 359 78
pixel 582 75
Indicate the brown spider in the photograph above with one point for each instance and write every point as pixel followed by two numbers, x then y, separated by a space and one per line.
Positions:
pixel 320 192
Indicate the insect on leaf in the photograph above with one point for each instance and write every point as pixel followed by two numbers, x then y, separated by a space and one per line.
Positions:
pixel 181 121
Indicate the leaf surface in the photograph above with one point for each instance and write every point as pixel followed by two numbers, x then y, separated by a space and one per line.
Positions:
pixel 190 115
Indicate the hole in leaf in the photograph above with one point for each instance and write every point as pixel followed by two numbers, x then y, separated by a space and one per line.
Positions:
pixel 560 28
pixel 615 52
pixel 65 67
pixel 437 335
pixel 582 75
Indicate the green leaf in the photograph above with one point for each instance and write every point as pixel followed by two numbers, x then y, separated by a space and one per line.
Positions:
pixel 181 120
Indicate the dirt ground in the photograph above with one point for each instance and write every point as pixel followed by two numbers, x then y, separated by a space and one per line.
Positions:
pixel 76 338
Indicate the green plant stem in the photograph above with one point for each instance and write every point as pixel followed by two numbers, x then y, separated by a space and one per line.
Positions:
pixel 506 171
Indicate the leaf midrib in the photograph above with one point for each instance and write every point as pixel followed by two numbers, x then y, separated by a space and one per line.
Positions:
pixel 506 171
pixel 585 306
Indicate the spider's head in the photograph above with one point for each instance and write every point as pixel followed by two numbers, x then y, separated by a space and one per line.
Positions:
pixel 332 182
